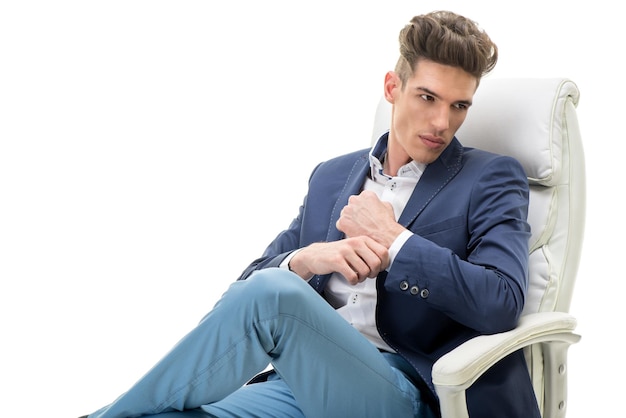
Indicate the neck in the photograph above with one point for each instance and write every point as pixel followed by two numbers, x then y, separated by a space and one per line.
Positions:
pixel 391 168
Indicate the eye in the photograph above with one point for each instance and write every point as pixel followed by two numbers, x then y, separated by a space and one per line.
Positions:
pixel 461 106
pixel 427 97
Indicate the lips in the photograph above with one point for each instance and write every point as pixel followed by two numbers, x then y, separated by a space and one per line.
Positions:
pixel 432 141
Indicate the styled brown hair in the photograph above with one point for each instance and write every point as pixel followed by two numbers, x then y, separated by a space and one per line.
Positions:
pixel 446 38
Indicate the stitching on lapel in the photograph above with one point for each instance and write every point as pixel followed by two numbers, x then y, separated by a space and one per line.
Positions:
pixel 332 226
pixel 454 170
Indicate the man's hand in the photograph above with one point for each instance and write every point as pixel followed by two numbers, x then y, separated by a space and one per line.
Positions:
pixel 365 214
pixel 355 258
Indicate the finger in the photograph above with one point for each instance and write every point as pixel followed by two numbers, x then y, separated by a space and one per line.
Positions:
pixel 355 269
pixel 360 269
pixel 350 275
pixel 381 252
pixel 375 255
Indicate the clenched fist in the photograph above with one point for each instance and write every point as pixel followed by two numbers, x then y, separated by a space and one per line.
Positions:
pixel 366 215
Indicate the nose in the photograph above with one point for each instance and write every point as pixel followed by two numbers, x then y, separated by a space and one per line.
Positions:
pixel 441 118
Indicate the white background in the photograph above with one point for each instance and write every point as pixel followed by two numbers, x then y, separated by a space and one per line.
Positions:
pixel 149 150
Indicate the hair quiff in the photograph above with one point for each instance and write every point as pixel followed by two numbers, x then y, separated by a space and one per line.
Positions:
pixel 446 38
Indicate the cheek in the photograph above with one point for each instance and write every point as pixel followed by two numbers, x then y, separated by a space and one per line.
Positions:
pixel 456 121
pixel 411 119
pixel 401 123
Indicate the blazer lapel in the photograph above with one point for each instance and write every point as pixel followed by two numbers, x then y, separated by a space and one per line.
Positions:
pixel 434 178
pixel 354 185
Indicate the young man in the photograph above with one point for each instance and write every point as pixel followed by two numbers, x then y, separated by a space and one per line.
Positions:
pixel 398 254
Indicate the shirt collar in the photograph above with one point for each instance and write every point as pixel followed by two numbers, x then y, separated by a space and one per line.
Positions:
pixel 379 152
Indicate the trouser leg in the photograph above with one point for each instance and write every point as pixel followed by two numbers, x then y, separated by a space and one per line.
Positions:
pixel 275 317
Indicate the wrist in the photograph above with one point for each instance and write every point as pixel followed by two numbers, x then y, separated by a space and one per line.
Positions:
pixel 295 266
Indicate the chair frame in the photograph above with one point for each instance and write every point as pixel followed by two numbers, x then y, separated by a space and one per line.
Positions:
pixel 546 330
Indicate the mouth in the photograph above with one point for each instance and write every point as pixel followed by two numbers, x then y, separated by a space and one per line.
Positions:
pixel 432 141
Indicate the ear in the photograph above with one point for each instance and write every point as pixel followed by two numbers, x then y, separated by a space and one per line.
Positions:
pixel 392 86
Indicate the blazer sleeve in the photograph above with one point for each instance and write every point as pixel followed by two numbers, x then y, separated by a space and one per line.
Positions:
pixel 284 244
pixel 326 182
pixel 483 288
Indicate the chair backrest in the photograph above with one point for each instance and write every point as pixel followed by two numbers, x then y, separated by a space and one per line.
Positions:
pixel 534 120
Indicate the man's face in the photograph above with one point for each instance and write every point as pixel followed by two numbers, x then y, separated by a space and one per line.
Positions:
pixel 428 111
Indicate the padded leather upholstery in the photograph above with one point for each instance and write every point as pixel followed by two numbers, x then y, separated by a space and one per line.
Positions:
pixel 533 120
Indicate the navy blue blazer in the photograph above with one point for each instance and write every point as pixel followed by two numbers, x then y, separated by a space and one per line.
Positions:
pixel 468 258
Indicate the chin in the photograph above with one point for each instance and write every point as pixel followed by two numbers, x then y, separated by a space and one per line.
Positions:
pixel 425 158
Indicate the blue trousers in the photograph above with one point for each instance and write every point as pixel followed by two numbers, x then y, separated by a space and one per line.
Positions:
pixel 324 367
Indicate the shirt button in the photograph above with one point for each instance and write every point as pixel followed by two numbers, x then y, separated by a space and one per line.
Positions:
pixel 424 293
pixel 404 285
pixel 414 290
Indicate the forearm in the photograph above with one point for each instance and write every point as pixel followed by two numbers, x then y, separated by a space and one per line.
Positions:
pixel 487 298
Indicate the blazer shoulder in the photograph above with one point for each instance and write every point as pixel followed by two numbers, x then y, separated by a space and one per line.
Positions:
pixel 343 162
pixel 476 156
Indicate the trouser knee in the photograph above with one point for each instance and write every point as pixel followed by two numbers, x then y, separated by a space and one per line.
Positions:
pixel 280 287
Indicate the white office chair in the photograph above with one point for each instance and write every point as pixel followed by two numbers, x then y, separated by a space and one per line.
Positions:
pixel 534 121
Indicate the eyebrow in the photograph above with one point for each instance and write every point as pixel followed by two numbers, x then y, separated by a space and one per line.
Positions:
pixel 432 93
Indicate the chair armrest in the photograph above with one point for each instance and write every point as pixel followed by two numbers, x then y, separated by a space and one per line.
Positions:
pixel 454 372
